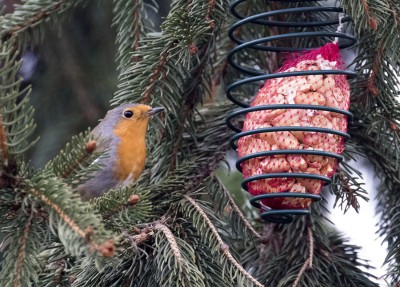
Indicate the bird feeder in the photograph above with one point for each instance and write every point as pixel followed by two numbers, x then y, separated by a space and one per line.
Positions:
pixel 294 129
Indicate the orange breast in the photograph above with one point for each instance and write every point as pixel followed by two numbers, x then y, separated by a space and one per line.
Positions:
pixel 131 151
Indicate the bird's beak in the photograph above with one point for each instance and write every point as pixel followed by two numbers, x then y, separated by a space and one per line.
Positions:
pixel 155 111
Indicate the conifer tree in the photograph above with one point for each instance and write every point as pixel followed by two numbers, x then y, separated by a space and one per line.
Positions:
pixel 179 225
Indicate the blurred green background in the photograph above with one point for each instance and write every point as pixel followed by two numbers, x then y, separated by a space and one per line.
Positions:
pixel 73 74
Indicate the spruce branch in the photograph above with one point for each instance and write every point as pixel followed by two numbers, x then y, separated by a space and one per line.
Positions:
pixel 380 143
pixel 127 267
pixel 16 118
pixel 89 149
pixel 136 35
pixel 76 162
pixel 66 211
pixel 395 10
pixel 202 221
pixel 172 243
pixel 347 189
pixel 158 73
pixel 3 144
pixel 132 23
pixel 375 105
pixel 375 63
pixel 124 207
pixel 207 221
pixel 371 83
pixel 179 271
pixel 237 210
pixel 367 15
pixel 81 233
pixel 391 237
pixel 306 241
pixel 23 237
pixel 16 114
pixel 21 253
pixel 208 261
pixel 309 261
pixel 371 20
pixel 28 19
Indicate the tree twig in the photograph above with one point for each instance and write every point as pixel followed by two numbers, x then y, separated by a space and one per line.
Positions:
pixel 21 252
pixel 155 75
pixel 3 143
pixel 172 242
pixel 238 211
pixel 309 261
pixel 41 15
pixel 68 220
pixel 223 247
pixel 67 172
pixel 371 20
pixel 136 30
pixel 106 248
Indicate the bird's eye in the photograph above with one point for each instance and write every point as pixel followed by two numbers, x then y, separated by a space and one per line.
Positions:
pixel 128 114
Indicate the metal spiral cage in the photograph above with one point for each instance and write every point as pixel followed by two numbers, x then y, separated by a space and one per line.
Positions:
pixel 345 41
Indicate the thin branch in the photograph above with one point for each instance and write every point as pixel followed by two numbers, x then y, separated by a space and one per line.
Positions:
pixel 136 31
pixel 58 273
pixel 210 9
pixel 371 20
pixel 172 242
pixel 394 13
pixel 155 75
pixel 106 248
pixel 371 87
pixel 177 143
pixel 89 148
pixel 130 202
pixel 238 211
pixel 309 261
pixel 207 220
pixel 72 224
pixel 223 247
pixel 228 255
pixel 3 143
pixel 21 252
pixel 301 272
pixel 311 245
pixel 142 237
pixel 33 19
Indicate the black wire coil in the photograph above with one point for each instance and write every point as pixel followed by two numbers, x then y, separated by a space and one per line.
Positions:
pixel 282 215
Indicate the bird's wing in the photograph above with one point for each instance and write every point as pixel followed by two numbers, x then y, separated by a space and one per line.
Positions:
pixel 102 140
pixel 103 179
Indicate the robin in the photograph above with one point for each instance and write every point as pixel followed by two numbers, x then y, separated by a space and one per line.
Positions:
pixel 121 135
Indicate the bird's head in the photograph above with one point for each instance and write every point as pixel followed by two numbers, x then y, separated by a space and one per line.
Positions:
pixel 134 117
pixel 127 118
